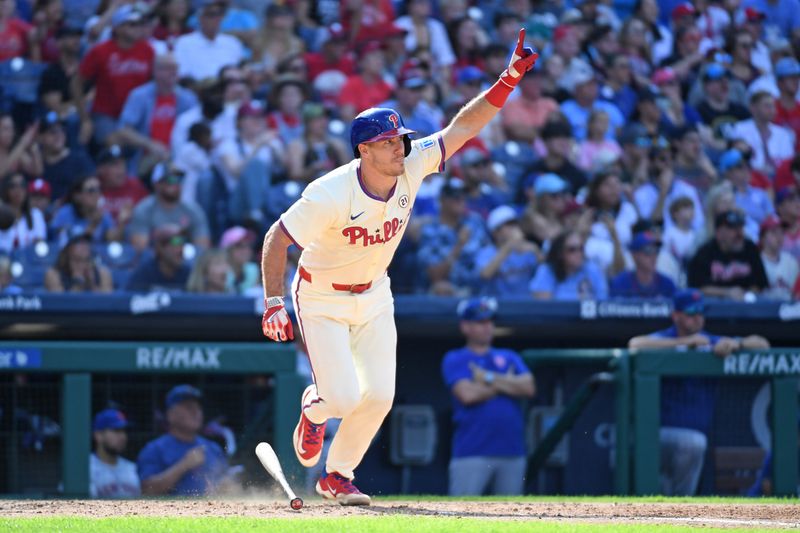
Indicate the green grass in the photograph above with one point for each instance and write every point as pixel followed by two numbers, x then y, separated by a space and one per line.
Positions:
pixel 590 499
pixel 382 524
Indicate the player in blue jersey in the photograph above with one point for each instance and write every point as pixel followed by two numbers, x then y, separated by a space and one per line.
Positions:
pixel 487 383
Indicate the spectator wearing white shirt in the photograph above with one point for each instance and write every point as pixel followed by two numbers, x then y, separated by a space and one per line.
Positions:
pixel 781 267
pixel 202 53
pixel 752 22
pixel 652 199
pixel 219 104
pixel 248 161
pixel 29 225
pixel 424 30
pixel 772 144
pixel 755 202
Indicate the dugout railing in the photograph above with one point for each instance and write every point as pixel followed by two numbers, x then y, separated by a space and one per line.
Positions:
pixel 637 396
pixel 76 362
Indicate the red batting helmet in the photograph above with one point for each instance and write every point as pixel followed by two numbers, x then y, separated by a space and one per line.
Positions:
pixel 377 124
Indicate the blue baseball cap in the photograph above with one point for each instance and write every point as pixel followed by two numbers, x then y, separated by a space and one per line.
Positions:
pixel 181 393
pixel 477 309
pixel 787 66
pixel 730 159
pixel 549 183
pixel 470 74
pixel 642 240
pixel 110 419
pixel 715 71
pixel 689 301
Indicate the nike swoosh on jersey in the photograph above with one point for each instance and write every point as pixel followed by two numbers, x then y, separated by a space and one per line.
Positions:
pixel 353 217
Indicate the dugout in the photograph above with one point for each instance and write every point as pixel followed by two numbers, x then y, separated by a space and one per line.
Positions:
pixel 427 328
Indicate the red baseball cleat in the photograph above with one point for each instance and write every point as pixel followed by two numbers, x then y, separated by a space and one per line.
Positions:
pixel 308 436
pixel 335 486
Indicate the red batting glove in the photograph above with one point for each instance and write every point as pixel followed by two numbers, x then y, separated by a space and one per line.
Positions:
pixel 275 322
pixel 521 62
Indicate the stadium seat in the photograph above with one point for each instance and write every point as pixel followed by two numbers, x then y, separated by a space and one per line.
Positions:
pixel 28 277
pixel 117 255
pixel 120 258
pixel 40 254
pixel 516 157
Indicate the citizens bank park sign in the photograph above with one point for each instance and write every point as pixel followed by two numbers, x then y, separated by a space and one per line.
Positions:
pixel 762 364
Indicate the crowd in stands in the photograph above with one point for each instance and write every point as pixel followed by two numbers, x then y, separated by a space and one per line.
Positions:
pixel 149 144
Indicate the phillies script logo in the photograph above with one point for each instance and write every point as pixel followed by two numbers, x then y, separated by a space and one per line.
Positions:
pixel 394 120
pixel 729 272
pixel 358 233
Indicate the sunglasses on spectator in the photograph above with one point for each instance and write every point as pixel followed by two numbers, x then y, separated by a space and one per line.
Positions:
pixel 177 240
pixel 91 190
pixel 214 13
pixel 173 179
pixel 573 249
pixel 650 250
pixel 16 185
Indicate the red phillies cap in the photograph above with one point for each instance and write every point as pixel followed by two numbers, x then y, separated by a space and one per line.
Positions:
pixel 683 10
pixel 663 75
pixel 754 15
pixel 561 31
pixel 251 109
pixel 39 186
pixel 768 223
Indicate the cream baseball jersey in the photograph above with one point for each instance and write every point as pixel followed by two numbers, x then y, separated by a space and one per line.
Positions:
pixel 346 234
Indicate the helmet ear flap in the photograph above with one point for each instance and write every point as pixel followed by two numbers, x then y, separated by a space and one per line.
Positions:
pixel 407 144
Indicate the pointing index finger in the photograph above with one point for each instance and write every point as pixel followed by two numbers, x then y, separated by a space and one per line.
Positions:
pixel 520 42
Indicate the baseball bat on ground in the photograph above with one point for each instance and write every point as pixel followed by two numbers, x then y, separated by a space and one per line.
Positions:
pixel 270 462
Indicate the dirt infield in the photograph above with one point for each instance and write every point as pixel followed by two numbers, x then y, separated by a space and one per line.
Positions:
pixel 717 515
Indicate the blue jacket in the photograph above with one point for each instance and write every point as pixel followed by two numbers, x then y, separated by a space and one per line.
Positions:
pixel 138 110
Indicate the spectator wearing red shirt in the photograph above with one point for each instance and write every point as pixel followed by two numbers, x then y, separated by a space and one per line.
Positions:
pixel 150 111
pixel 287 99
pixel 788 173
pixel 368 88
pixel 13 32
pixel 366 20
pixel 116 67
pixel 787 108
pixel 333 55
pixel 120 191
pixel 787 206
pixel 47 19
pixel 172 20
pixel 796 290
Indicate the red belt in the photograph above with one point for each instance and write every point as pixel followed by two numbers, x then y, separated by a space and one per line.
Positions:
pixel 355 288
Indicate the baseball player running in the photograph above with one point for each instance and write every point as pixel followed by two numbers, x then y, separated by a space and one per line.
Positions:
pixel 348 224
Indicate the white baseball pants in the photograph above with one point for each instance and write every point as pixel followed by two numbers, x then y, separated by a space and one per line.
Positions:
pixel 351 341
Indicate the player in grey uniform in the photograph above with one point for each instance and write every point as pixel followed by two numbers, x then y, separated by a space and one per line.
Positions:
pixel 110 475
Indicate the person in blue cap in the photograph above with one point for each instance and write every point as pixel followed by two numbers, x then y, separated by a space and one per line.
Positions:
pixel 110 474
pixel 687 404
pixel 644 281
pixel 488 452
pixel 182 463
